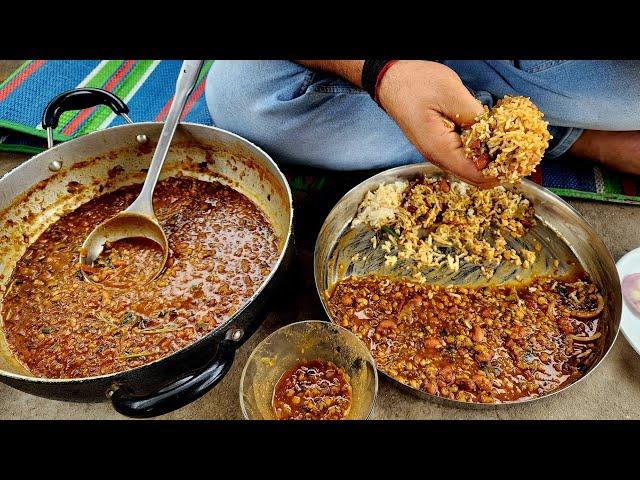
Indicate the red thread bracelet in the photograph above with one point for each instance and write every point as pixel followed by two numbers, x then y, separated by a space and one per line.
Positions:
pixel 382 73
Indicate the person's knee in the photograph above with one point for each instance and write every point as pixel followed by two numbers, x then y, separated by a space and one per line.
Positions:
pixel 597 110
pixel 252 99
pixel 240 93
pixel 589 94
pixel 260 101
pixel 608 93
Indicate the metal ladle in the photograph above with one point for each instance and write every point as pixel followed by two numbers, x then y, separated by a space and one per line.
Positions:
pixel 139 219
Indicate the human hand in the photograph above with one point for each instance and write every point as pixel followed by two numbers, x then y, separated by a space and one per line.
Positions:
pixel 427 100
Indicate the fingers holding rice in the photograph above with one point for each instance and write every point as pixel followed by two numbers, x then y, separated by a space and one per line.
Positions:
pixel 508 141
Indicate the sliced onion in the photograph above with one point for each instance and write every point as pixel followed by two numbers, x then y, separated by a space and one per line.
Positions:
pixel 581 338
pixel 587 314
pixel 631 291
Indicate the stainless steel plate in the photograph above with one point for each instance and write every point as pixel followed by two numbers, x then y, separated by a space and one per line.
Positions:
pixel 561 232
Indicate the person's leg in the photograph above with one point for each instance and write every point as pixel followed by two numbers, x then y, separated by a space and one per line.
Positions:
pixel 309 118
pixel 593 107
pixel 305 117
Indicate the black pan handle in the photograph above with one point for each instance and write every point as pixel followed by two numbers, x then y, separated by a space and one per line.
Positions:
pixel 179 392
pixel 79 99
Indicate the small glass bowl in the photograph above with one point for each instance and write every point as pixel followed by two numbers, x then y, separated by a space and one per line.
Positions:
pixel 301 342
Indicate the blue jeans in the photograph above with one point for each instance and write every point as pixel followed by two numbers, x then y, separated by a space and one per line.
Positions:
pixel 311 118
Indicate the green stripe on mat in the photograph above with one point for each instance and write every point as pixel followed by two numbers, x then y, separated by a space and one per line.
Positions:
pixel 611 182
pixel 99 79
pixel 20 148
pixel 205 69
pixel 609 197
pixel 15 73
pixel 38 132
pixel 126 86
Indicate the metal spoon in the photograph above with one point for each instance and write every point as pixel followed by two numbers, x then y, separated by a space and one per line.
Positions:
pixel 139 220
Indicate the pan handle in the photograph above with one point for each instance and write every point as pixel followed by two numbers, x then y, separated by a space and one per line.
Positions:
pixel 179 392
pixel 79 99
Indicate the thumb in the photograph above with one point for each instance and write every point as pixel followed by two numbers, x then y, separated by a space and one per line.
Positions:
pixel 460 106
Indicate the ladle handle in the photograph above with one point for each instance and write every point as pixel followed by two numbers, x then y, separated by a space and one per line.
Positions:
pixel 186 81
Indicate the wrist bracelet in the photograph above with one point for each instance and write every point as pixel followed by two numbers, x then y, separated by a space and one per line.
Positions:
pixel 372 73
pixel 379 79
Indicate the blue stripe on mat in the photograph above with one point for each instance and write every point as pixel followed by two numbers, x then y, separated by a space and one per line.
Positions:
pixel 568 173
pixel 54 77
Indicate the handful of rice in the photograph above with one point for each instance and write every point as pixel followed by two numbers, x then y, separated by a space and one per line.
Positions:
pixel 509 140
pixel 436 223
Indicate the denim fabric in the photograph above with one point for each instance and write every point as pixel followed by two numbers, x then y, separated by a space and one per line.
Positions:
pixel 311 118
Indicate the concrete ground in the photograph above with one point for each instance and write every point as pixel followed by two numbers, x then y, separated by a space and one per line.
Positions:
pixel 611 392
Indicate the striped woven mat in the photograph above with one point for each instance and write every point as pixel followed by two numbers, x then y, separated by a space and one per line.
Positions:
pixel 147 87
